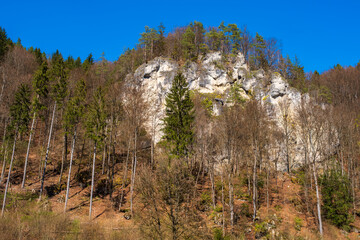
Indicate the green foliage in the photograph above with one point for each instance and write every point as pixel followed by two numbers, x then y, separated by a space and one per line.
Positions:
pixel 325 94
pixel 96 117
pixel 208 105
pixel 259 58
pixel 41 88
pixel 245 210
pixel 89 61
pixel 179 118
pixel 205 199
pixel 20 109
pixel 298 224
pixel 58 74
pixel 234 94
pixel 76 106
pixel 231 37
pixel 337 199
pixel 218 234
pixel 5 43
pixel 148 38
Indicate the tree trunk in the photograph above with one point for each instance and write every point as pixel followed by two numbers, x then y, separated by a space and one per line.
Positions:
pixel 254 184
pixel 4 165
pixel 64 157
pixel 70 165
pixel 231 198
pixel 28 150
pixel 92 180
pixel 133 174
pixel 125 175
pixel 223 200
pixel 47 152
pixel 213 194
pixel 9 174
pixel 318 200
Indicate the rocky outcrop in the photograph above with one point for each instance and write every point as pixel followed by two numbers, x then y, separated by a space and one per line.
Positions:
pixel 215 75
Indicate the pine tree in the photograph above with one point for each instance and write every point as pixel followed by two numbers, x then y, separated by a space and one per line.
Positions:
pixel 73 115
pixel 5 42
pixel 188 44
pixel 58 74
pixel 41 88
pixel 179 118
pixel 20 118
pixel 95 126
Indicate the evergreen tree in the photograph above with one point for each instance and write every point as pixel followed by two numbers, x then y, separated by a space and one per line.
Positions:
pixel 179 118
pixel 73 115
pixel 147 40
pixel 95 129
pixel 188 44
pixel 337 199
pixel 4 43
pixel 259 46
pixel 20 118
pixel 87 63
pixel 41 89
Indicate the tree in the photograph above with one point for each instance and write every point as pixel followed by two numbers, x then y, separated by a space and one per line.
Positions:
pixel 89 61
pixel 188 44
pixel 20 118
pixel 336 196
pixel 5 42
pixel 41 89
pixel 260 47
pixel 95 126
pixel 73 115
pixel 179 118
pixel 58 75
pixel 148 38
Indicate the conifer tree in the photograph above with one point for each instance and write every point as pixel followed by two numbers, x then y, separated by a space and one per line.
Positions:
pixel 41 89
pixel 95 126
pixel 73 114
pixel 20 118
pixel 58 74
pixel 179 118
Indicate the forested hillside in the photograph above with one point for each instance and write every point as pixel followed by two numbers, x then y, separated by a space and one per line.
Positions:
pixel 195 134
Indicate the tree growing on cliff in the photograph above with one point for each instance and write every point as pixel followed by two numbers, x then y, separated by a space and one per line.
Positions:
pixel 178 122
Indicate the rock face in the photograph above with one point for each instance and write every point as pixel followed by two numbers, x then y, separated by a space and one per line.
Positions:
pixel 214 75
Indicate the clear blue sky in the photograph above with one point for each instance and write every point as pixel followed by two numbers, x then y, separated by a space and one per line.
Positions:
pixel 321 33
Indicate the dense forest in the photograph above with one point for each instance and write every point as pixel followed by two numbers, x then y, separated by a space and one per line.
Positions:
pixel 76 149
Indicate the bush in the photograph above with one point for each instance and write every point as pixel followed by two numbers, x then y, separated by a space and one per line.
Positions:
pixel 336 198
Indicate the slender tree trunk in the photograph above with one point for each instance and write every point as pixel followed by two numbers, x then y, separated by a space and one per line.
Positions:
pixel 212 180
pixel 92 180
pixel 318 200
pixel 125 175
pixel 47 153
pixel 223 200
pixel 231 198
pixel 3 84
pixel 133 174
pixel 9 174
pixel 103 159
pixel 70 165
pixel 28 150
pixel 4 151
pixel 4 165
pixel 254 184
pixel 64 156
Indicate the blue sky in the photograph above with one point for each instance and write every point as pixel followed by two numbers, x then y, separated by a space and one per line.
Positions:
pixel 321 33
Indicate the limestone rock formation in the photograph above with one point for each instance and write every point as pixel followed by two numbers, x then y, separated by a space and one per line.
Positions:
pixel 213 74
